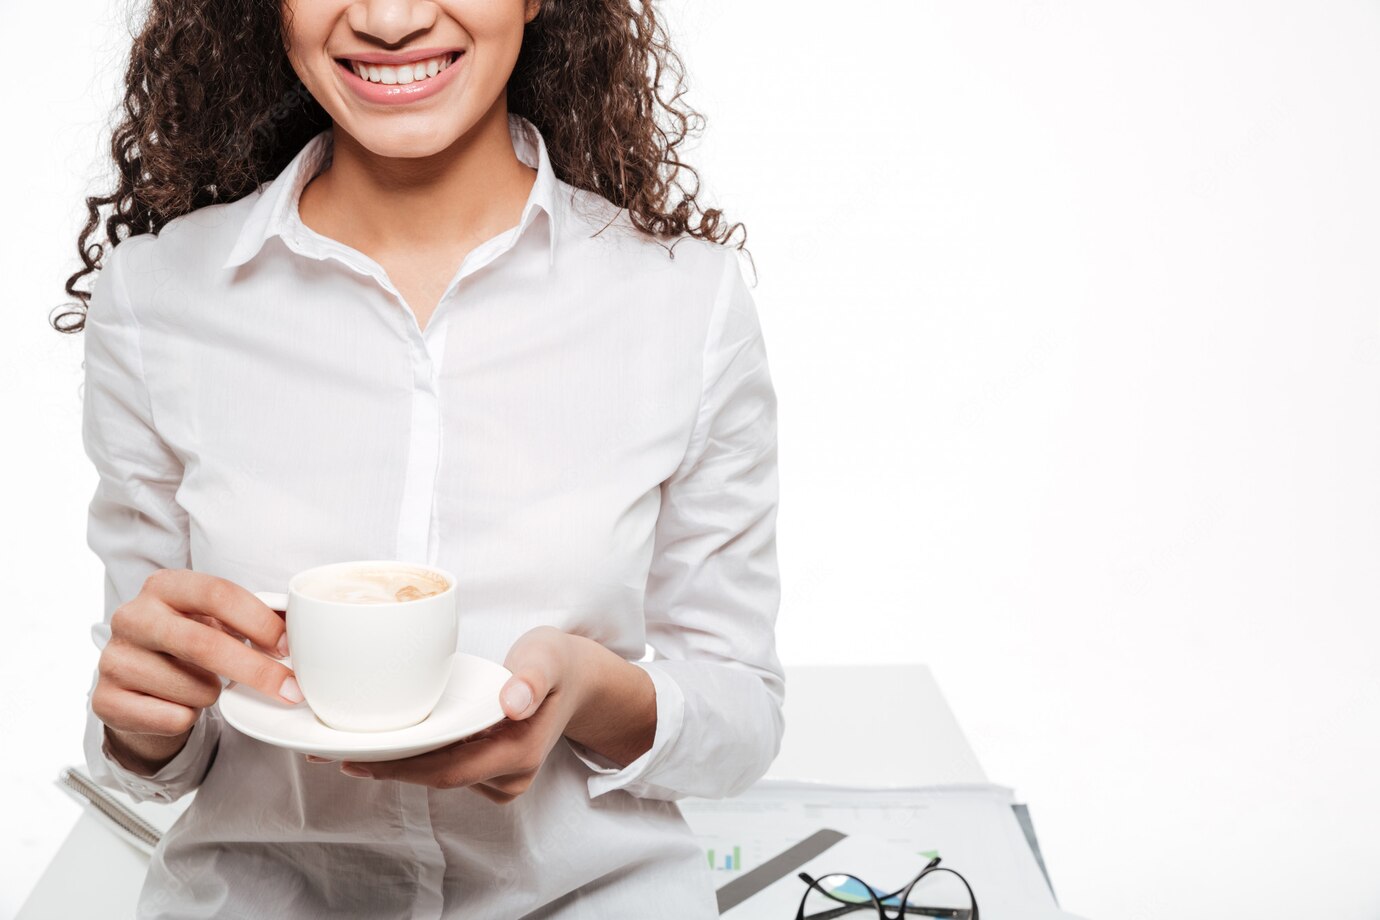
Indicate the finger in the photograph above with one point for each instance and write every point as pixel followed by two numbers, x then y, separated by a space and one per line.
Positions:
pixel 232 604
pixel 156 674
pixel 131 711
pixel 513 785
pixel 158 627
pixel 422 768
pixel 235 634
pixel 493 795
pixel 484 733
pixel 312 758
pixel 458 765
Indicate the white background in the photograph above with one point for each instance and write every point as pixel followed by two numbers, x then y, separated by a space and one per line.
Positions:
pixel 1072 312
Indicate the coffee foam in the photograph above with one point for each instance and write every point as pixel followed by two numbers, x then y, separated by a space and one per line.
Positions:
pixel 375 586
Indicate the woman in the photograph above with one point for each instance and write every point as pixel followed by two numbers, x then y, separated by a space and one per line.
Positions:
pixel 437 302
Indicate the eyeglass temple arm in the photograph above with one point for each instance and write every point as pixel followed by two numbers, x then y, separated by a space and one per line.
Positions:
pixel 935 867
pixel 814 883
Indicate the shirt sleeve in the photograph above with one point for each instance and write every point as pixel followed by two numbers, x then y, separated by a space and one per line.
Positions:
pixel 713 590
pixel 134 523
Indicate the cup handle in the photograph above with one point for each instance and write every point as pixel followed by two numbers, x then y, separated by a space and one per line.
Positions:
pixel 278 602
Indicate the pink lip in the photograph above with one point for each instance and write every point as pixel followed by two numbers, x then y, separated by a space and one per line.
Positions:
pixel 405 57
pixel 400 94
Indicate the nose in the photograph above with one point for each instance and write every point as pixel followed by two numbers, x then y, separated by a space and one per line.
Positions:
pixel 391 22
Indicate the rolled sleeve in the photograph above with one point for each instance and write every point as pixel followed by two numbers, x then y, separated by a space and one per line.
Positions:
pixel 173 780
pixel 670 714
pixel 134 523
pixel 713 589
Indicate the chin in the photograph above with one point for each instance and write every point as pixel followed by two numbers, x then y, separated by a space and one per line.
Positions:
pixel 404 137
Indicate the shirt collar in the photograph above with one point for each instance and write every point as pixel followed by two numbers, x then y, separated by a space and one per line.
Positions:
pixel 275 212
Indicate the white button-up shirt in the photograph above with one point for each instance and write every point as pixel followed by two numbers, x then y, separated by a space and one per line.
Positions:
pixel 584 433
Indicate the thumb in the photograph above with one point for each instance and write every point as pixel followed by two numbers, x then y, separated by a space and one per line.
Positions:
pixel 534 666
pixel 522 695
pixel 518 697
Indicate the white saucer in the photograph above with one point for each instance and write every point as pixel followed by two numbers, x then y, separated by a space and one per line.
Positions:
pixel 468 705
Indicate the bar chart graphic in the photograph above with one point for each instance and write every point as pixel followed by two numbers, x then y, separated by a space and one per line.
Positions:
pixel 730 862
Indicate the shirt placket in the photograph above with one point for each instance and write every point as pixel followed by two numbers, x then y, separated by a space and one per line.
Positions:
pixel 417 536
pixel 416 541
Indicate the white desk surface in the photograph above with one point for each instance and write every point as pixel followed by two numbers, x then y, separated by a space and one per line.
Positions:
pixel 832 714
pixel 872 725
pixel 94 874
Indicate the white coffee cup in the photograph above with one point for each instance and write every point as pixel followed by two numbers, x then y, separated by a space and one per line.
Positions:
pixel 368 667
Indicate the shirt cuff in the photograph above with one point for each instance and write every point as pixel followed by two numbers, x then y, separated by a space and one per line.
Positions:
pixel 174 778
pixel 636 778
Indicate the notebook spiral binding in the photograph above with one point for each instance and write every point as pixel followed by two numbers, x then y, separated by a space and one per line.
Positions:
pixel 107 805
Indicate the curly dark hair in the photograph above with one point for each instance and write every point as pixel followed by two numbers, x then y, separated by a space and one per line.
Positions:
pixel 195 132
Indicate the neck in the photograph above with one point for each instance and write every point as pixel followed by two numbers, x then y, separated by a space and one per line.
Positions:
pixel 470 191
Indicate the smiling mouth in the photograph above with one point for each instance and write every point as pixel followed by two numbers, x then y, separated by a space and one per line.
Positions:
pixel 400 74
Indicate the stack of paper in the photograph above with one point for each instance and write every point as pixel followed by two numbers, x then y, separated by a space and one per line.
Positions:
pixel 888 835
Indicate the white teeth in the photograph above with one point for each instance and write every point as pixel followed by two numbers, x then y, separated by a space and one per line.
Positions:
pixel 401 74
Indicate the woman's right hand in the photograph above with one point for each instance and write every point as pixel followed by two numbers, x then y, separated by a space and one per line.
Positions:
pixel 168 648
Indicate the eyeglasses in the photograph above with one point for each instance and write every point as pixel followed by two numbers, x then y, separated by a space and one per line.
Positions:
pixel 839 894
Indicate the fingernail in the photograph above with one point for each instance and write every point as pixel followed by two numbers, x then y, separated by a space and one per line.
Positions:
pixel 283 646
pixel 350 769
pixel 290 691
pixel 517 696
pixel 312 758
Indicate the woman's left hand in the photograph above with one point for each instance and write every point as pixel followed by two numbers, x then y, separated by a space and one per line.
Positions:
pixel 539 701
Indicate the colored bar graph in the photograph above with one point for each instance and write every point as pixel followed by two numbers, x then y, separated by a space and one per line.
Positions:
pixel 731 861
